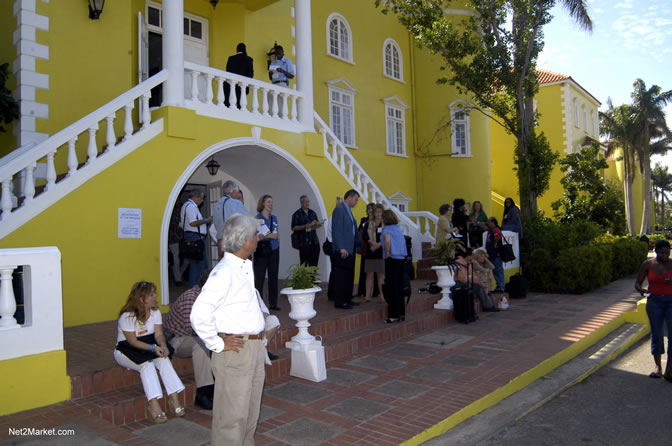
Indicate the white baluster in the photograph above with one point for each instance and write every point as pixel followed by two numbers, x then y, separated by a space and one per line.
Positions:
pixel 194 85
pixel 334 151
pixel 7 299
pixel 51 170
pixel 358 179
pixel 243 97
pixel 285 106
pixel 6 201
pixel 342 151
pixel 325 142
pixel 146 114
pixel 275 110
pixel 295 112
pixel 72 156
pixel 220 92
pixel 128 121
pixel 264 101
pixel 110 139
pixel 92 148
pixel 365 190
pixel 255 99
pixel 351 173
pixel 208 89
pixel 29 184
pixel 427 232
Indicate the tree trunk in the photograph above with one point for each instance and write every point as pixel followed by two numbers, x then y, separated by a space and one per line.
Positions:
pixel 528 196
pixel 655 203
pixel 662 207
pixel 629 208
pixel 646 212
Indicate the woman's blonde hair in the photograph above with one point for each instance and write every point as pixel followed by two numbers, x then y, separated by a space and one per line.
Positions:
pixel 260 205
pixel 135 304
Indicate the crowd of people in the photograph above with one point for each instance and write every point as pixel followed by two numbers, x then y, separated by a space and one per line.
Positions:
pixel 222 322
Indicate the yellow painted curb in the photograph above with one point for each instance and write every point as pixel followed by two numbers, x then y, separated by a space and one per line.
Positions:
pixel 533 374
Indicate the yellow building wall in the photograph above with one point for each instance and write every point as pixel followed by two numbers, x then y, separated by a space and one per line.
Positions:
pixel 99 268
pixel 8 141
pixel 33 381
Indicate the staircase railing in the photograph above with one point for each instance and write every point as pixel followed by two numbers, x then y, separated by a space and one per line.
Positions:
pixel 356 176
pixel 266 104
pixel 20 196
pixel 427 221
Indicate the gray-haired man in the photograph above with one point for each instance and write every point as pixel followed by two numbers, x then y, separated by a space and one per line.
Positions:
pixel 228 318
pixel 229 204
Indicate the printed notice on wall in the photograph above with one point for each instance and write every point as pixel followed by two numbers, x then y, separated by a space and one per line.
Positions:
pixel 130 223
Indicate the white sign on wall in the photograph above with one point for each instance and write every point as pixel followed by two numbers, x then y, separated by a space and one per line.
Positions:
pixel 130 223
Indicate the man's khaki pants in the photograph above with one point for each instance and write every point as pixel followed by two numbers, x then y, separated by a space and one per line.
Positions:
pixel 189 347
pixel 239 382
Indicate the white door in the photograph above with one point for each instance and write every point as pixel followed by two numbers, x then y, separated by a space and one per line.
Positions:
pixel 214 194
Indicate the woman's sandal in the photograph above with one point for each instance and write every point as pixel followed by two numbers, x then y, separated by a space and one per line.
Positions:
pixel 178 411
pixel 392 321
pixel 655 374
pixel 157 419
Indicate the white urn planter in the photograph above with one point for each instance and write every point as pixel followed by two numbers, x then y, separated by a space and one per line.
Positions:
pixel 302 310
pixel 445 280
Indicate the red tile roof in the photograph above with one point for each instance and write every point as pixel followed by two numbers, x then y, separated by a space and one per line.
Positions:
pixel 547 77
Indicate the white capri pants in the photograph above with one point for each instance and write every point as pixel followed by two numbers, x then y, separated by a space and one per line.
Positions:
pixel 150 380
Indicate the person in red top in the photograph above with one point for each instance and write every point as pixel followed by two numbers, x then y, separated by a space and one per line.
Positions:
pixel 658 271
pixel 492 244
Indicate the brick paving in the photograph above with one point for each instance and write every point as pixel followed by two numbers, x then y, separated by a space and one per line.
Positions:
pixel 390 384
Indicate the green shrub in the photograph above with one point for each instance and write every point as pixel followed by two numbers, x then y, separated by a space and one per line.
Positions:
pixel 583 268
pixel 539 271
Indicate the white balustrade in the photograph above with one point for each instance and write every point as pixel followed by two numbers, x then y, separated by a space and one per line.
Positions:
pixel 19 165
pixel 362 183
pixel 265 103
pixel 430 220
pixel 7 298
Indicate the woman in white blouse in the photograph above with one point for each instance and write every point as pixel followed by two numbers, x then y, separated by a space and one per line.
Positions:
pixel 141 346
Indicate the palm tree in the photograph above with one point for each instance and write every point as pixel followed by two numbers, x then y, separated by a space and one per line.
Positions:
pixel 648 106
pixel 662 183
pixel 618 124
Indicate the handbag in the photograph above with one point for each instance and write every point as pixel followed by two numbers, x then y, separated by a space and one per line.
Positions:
pixel 327 247
pixel 139 356
pixel 503 304
pixel 191 249
pixel 506 251
pixel 296 240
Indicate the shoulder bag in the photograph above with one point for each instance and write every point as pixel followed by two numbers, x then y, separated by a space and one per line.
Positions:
pixel 506 251
pixel 191 249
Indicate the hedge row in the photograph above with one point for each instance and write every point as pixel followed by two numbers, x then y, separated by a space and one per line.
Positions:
pixel 578 269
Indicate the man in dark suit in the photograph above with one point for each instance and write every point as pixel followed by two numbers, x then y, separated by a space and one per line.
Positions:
pixel 239 63
pixel 346 241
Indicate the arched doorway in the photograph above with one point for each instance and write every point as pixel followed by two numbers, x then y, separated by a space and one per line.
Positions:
pixel 260 167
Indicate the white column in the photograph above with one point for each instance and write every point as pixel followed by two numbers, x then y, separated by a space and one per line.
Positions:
pixel 7 299
pixel 173 52
pixel 304 62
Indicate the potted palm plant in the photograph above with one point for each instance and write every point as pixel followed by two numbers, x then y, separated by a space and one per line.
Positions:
pixel 446 265
pixel 302 283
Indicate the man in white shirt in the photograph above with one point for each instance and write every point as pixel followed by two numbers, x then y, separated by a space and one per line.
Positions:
pixel 230 203
pixel 195 228
pixel 229 320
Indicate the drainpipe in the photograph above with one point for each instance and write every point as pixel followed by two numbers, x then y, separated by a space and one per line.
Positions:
pixel 304 62
pixel 173 52
pixel 414 118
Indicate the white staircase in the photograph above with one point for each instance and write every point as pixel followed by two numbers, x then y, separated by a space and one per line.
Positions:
pixel 21 200
pixel 355 175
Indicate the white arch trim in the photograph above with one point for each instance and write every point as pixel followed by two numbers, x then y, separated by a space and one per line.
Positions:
pixel 189 171
pixel 339 17
pixel 395 45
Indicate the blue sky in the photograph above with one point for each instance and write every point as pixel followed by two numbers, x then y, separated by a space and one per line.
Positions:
pixel 630 39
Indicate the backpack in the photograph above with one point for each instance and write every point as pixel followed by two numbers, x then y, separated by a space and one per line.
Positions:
pixel 517 286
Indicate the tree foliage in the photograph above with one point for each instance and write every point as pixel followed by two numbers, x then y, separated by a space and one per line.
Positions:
pixel 491 56
pixel 9 108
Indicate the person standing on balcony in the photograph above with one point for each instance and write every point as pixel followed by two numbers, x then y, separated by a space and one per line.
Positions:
pixel 281 70
pixel 346 241
pixel 242 64
pixel 230 203
pixel 178 332
pixel 304 238
pixel 229 319
pixel 195 228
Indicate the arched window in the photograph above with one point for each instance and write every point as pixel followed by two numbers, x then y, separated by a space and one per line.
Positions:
pixel 585 117
pixel 460 128
pixel 393 65
pixel 339 41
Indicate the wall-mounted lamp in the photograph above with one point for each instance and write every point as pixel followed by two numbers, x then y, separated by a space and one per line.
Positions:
pixel 214 3
pixel 96 9
pixel 212 166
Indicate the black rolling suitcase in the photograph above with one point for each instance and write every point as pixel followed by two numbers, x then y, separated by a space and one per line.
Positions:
pixel 463 302
pixel 517 287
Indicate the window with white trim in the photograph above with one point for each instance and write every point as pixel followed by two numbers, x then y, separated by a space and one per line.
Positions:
pixel 585 118
pixel 392 61
pixel 576 113
pixel 342 115
pixel 396 130
pixel 592 122
pixel 460 129
pixel 339 42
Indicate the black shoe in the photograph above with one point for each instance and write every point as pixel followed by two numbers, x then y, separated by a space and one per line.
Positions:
pixel 498 290
pixel 210 391
pixel 202 399
pixel 272 356
pixel 491 310
pixel 275 308
pixel 343 307
pixel 352 303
